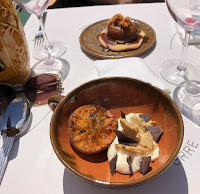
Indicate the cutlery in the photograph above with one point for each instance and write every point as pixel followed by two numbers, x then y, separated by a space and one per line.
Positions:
pixel 17 7
pixel 13 122
pixel 39 38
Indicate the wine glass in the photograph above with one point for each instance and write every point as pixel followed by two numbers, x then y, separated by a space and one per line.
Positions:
pixel 49 49
pixel 176 70
pixel 180 72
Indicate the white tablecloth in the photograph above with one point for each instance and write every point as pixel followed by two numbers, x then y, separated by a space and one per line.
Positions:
pixel 34 167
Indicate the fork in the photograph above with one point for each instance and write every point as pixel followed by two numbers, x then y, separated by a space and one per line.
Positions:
pixel 5 149
pixel 8 141
pixel 17 7
pixel 39 38
pixel 4 154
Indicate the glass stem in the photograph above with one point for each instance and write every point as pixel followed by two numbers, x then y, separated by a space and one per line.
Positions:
pixel 48 46
pixel 182 68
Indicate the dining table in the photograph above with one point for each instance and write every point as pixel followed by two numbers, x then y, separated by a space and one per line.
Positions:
pixel 33 166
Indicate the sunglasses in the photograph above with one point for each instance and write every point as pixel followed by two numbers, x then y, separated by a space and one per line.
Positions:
pixel 37 89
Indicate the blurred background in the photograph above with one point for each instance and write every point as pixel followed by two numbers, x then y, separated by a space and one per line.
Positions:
pixel 78 3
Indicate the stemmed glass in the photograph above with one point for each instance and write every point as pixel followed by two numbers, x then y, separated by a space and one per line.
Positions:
pixel 55 48
pixel 176 71
pixel 180 72
pixel 50 50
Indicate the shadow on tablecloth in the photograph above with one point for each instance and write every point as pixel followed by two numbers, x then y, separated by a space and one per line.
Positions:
pixel 173 180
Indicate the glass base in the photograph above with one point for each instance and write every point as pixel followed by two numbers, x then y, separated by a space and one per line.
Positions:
pixel 57 66
pixel 187 98
pixel 41 52
pixel 171 74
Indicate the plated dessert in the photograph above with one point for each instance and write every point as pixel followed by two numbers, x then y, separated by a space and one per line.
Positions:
pixel 132 140
pixel 136 144
pixel 121 34
pixel 111 38
pixel 91 128
pixel 116 94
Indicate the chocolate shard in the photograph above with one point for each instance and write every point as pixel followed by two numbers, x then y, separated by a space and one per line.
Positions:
pixel 144 166
pixel 156 132
pixel 129 161
pixel 123 116
pixel 112 164
pixel 145 117
pixel 128 144
pixel 124 138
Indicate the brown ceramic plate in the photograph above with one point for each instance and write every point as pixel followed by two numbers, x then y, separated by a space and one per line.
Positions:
pixel 116 94
pixel 90 43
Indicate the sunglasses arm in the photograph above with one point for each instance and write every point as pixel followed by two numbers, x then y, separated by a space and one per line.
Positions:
pixel 54 101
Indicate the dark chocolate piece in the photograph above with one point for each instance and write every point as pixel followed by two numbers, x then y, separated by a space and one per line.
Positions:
pixel 123 116
pixel 128 144
pixel 156 132
pixel 112 164
pixel 145 117
pixel 144 166
pixel 124 138
pixel 129 160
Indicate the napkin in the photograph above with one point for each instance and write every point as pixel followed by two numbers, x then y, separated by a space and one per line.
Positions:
pixel 133 67
pixel 194 37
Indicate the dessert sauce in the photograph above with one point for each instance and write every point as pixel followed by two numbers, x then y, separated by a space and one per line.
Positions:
pixel 110 43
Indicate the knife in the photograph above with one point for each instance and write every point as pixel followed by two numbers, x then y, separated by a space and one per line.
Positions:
pixel 11 123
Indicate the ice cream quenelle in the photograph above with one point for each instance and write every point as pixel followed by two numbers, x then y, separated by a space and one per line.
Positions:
pixel 136 144
pixel 121 34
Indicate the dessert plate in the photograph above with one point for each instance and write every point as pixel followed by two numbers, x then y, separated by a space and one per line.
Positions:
pixel 90 43
pixel 116 94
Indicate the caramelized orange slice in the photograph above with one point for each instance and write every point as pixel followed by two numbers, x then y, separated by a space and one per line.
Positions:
pixel 91 128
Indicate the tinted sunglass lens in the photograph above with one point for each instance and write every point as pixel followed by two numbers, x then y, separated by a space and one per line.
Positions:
pixel 40 88
pixel 7 94
pixel 6 91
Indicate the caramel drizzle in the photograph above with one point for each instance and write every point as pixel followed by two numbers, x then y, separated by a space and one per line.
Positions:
pixel 110 43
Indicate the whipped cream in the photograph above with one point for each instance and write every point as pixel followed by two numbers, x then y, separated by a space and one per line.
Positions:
pixel 122 165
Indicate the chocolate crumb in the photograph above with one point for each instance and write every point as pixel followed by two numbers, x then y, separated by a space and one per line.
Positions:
pixel 156 132
pixel 124 138
pixel 123 116
pixel 144 166
pixel 145 117
pixel 129 160
pixel 112 164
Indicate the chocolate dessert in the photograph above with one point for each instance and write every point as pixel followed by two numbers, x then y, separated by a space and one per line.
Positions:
pixel 122 30
pixel 121 34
